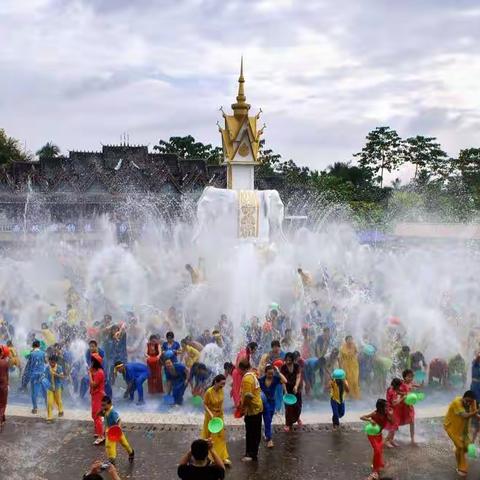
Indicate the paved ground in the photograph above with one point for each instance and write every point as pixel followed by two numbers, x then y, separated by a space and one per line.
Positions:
pixel 32 450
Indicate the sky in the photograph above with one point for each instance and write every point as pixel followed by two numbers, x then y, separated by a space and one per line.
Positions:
pixel 82 72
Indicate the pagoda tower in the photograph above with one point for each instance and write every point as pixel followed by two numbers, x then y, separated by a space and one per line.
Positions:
pixel 240 141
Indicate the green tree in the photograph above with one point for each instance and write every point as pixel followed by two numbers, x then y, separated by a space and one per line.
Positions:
pixel 384 150
pixel 468 164
pixel 10 150
pixel 269 161
pixel 356 175
pixel 427 156
pixel 49 150
pixel 188 148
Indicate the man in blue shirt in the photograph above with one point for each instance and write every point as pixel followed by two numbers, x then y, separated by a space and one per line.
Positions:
pixel 134 374
pixel 33 373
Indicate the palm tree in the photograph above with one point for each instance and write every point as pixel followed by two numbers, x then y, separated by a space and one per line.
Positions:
pixel 49 150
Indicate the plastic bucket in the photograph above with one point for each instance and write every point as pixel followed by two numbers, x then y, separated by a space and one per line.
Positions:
pixel 114 433
pixel 338 374
pixel 215 425
pixel 289 399
pixel 371 429
pixel 411 399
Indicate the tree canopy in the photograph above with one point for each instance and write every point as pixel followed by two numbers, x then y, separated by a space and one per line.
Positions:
pixel 10 149
pixel 49 150
pixel 188 148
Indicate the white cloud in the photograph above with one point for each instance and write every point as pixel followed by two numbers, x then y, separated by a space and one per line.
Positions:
pixel 80 72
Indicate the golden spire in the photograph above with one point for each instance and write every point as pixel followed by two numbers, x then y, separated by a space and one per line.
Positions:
pixel 241 107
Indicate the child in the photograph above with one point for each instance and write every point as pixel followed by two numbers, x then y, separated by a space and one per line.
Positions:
pixel 395 405
pixel 407 412
pixel 53 384
pixel 111 418
pixel 338 388
pixel 379 417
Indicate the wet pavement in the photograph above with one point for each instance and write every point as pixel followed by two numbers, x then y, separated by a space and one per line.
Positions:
pixel 33 450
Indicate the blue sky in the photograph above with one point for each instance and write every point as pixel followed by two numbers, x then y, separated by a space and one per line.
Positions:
pixel 325 73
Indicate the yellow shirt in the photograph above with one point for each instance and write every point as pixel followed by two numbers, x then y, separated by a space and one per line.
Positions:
pixel 213 400
pixel 335 391
pixel 49 336
pixel 192 356
pixel 252 405
pixel 72 316
pixel 454 423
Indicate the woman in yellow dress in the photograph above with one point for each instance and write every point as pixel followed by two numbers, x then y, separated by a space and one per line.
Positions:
pixel 213 404
pixel 349 362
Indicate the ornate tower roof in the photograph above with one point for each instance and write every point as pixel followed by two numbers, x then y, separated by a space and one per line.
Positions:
pixel 240 136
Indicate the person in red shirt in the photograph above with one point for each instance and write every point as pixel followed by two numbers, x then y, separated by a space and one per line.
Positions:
pixel 4 367
pixel 395 406
pixel 379 417
pixel 246 353
pixel 97 392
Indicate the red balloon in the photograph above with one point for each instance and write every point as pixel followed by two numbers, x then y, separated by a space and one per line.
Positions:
pixel 278 363
pixel 394 321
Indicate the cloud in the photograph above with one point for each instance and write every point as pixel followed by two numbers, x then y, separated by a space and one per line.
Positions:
pixel 81 72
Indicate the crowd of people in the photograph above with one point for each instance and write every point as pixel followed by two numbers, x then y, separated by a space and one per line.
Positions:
pixel 260 364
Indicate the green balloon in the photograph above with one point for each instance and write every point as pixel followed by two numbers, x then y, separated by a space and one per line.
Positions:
pixel 197 401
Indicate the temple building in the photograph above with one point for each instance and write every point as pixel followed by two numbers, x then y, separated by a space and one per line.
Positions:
pixel 116 180
pixel 128 183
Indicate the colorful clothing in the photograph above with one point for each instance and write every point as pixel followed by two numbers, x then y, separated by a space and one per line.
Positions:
pixel 155 384
pixel 376 441
pixel 292 412
pixel 174 348
pixel 191 356
pixel 97 392
pixel 237 376
pixel 406 413
pixel 268 399
pixel 53 385
pixel 213 400
pixel 135 376
pixel 178 382
pixel 253 406
pixel 4 367
pixel 396 409
pixel 457 428
pixel 337 400
pixel 475 386
pixel 33 374
pixel 112 418
pixel 349 362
